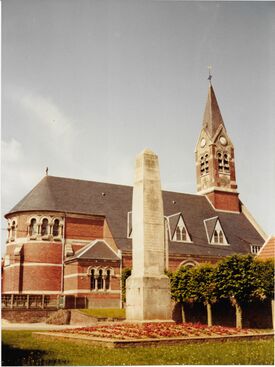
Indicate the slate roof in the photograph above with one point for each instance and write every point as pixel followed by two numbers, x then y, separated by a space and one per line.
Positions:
pixel 212 118
pixel 95 250
pixel 115 201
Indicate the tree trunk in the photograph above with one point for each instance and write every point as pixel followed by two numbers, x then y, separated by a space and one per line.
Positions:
pixel 239 316
pixel 183 313
pixel 209 314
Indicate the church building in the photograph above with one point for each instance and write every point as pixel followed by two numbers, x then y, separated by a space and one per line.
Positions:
pixel 70 239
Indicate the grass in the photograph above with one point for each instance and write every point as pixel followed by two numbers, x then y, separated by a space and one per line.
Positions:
pixel 21 348
pixel 104 312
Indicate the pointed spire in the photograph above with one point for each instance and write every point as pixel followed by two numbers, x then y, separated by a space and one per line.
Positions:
pixel 212 118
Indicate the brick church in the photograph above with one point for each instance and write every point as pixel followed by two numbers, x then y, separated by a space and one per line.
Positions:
pixel 71 239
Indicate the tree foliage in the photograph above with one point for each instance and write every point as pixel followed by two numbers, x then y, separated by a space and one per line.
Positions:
pixel 239 278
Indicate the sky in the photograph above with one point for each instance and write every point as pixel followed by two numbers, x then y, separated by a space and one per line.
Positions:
pixel 88 84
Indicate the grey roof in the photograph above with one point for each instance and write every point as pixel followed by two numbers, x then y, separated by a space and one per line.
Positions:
pixel 86 197
pixel 95 250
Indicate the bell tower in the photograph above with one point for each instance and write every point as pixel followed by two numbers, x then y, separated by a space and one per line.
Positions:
pixel 215 164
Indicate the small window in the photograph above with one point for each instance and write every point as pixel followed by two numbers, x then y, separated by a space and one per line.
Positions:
pixel 216 237
pixel 92 279
pixel 183 234
pixel 107 280
pixel 255 249
pixel 204 164
pixel 33 227
pixel 100 280
pixel 220 237
pixel 44 227
pixel 56 228
pixel 12 230
pixel 178 234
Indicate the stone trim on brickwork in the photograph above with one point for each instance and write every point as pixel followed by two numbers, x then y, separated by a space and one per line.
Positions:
pixel 88 291
pixel 38 292
pixel 31 264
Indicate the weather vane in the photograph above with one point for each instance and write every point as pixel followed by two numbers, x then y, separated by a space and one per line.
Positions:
pixel 209 76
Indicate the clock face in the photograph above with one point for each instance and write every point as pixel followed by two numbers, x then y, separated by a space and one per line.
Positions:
pixel 203 142
pixel 223 140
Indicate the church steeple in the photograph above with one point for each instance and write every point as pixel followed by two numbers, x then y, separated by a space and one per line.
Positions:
pixel 215 163
pixel 212 118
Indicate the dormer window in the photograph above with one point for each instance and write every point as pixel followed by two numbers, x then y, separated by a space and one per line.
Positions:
pixel 214 231
pixel 177 228
pixel 129 225
pixel 255 249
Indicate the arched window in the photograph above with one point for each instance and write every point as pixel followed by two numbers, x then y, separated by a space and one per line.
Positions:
pixel 12 230
pixel 56 228
pixel 216 237
pixel 100 280
pixel 178 234
pixel 220 237
pixel 226 163
pixel 92 279
pixel 108 279
pixel 183 234
pixel 44 227
pixel 204 164
pixel 223 162
pixel 33 227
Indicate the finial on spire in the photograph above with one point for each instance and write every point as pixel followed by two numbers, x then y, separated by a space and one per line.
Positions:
pixel 47 170
pixel 209 76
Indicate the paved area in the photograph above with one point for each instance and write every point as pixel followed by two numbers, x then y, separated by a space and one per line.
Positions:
pixel 6 325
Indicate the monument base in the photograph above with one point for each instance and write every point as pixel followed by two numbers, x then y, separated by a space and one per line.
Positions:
pixel 148 299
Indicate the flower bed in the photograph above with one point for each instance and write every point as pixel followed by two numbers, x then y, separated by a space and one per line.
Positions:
pixel 128 331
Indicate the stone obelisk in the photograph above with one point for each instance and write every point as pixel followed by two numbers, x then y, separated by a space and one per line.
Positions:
pixel 148 288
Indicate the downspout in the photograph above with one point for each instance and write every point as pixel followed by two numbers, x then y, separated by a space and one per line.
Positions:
pixel 63 251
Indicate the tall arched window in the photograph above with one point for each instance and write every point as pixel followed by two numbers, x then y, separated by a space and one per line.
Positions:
pixel 33 227
pixel 220 237
pixel 204 164
pixel 56 227
pixel 108 279
pixel 223 162
pixel 92 279
pixel 100 280
pixel 12 230
pixel 45 227
pixel 216 237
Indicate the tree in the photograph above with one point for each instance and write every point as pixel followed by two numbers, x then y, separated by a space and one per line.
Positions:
pixel 235 278
pixel 180 287
pixel 202 287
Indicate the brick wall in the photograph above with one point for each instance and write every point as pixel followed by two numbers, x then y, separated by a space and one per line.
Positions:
pixel 84 228
pixel 224 200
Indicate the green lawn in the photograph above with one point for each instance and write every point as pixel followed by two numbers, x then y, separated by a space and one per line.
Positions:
pixel 104 312
pixel 21 348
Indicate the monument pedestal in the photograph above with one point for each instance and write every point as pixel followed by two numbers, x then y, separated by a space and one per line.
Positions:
pixel 148 298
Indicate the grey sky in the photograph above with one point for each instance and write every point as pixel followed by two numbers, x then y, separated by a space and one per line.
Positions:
pixel 86 85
